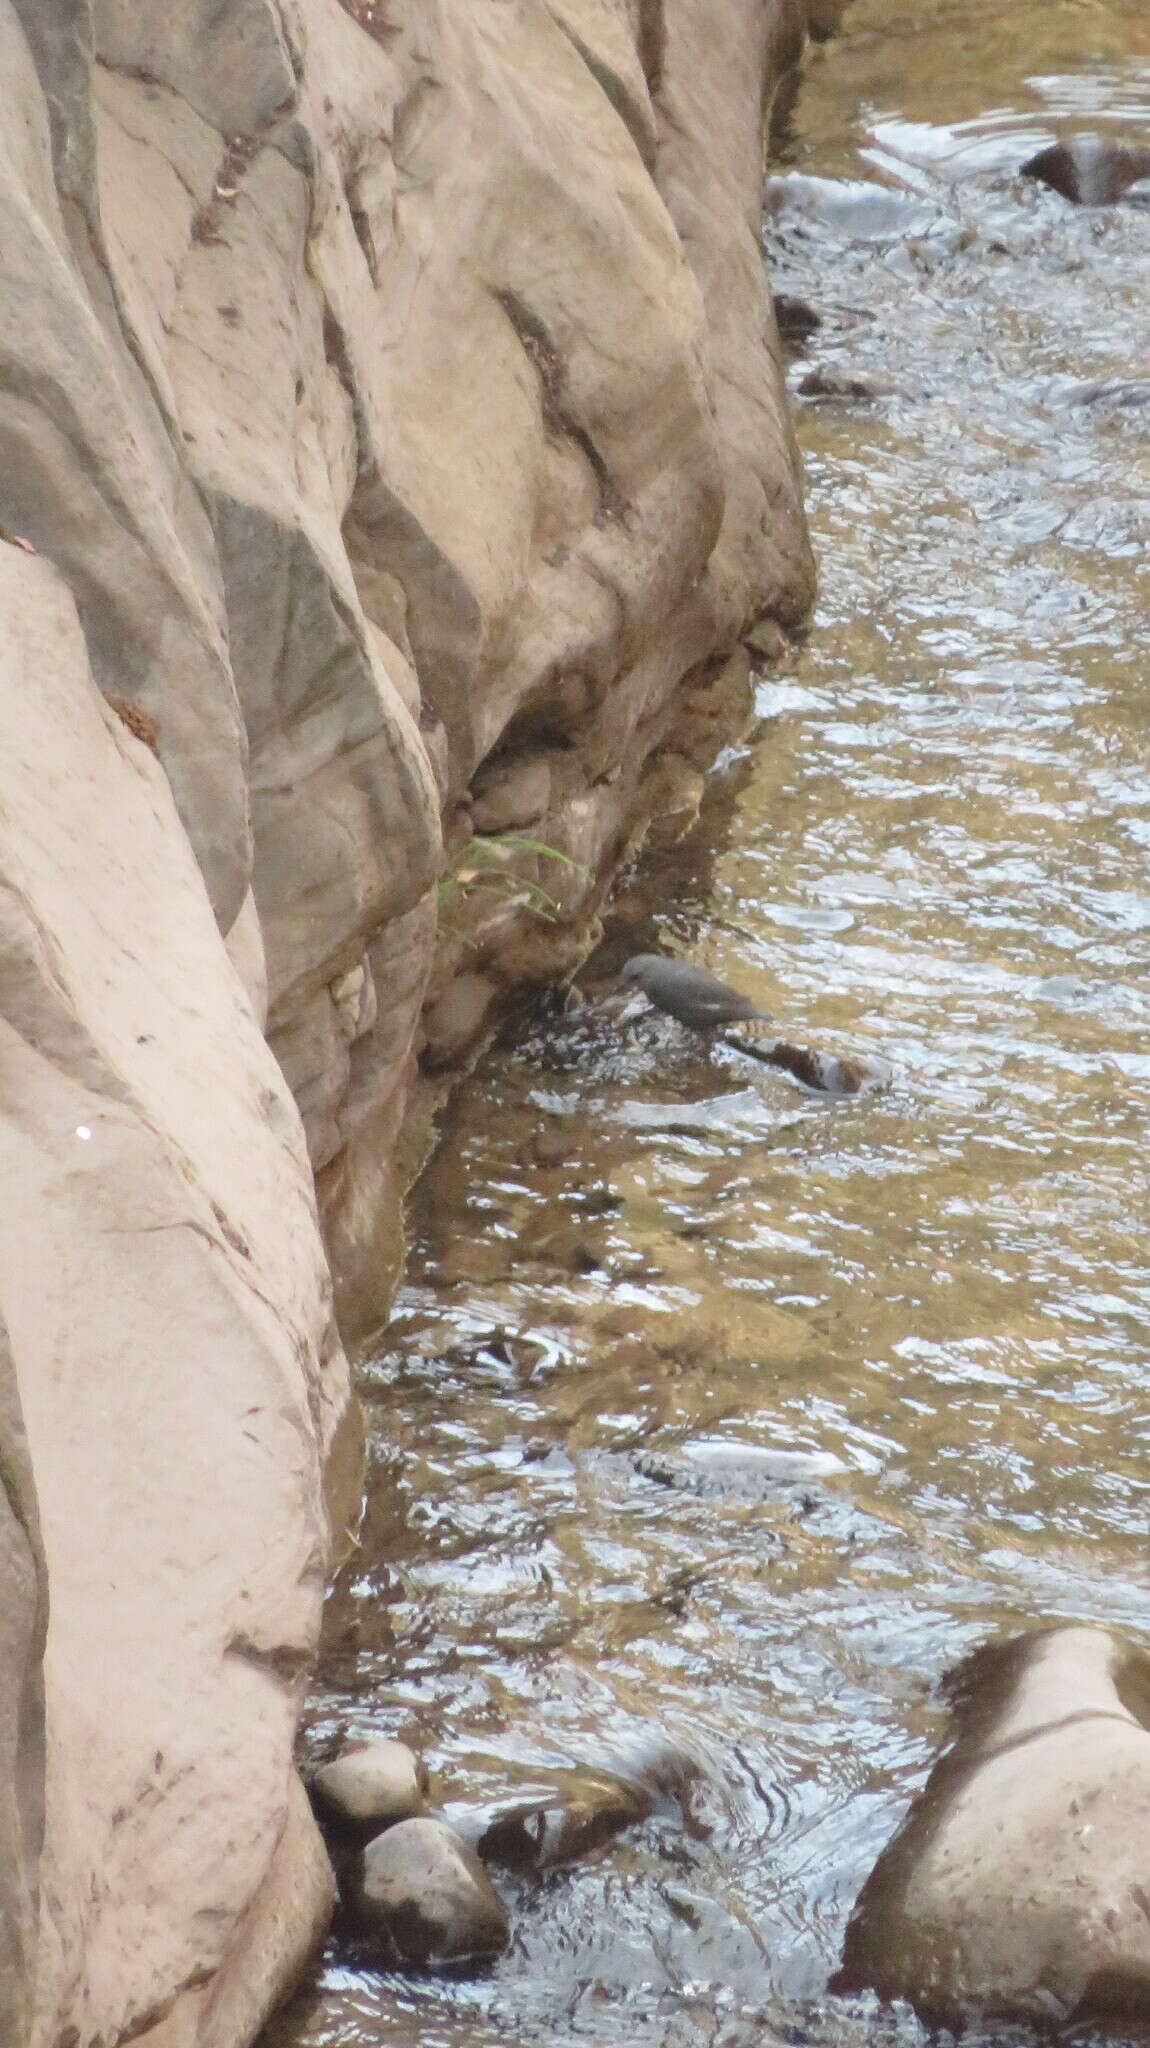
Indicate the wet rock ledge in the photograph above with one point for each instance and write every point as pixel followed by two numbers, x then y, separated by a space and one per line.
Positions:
pixel 392 466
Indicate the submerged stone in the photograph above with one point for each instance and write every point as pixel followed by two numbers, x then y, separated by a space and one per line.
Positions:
pixel 797 320
pixel 1113 394
pixel 845 386
pixel 583 1810
pixel 1088 169
pixel 540 1834
pixel 853 210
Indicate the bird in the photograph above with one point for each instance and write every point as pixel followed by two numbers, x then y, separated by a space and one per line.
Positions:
pixel 700 1000
pixel 688 993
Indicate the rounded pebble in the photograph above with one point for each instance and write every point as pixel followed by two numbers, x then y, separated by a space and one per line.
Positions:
pixel 371 1786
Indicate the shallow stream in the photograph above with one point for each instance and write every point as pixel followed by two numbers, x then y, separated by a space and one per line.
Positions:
pixel 720 1415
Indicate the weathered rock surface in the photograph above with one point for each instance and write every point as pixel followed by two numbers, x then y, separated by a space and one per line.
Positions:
pixel 1016 1887
pixel 167 1307
pixel 447 342
pixel 391 448
pixel 421 1896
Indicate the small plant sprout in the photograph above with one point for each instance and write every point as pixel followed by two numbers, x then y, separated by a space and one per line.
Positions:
pixel 482 868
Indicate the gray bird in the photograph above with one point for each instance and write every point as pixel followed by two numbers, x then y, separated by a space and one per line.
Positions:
pixel 689 993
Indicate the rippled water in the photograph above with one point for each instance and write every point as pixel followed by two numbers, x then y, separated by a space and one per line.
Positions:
pixel 717 1412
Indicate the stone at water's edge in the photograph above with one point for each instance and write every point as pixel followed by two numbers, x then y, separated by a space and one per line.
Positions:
pixel 370 1785
pixel 1016 1888
pixel 387 406
pixel 421 1896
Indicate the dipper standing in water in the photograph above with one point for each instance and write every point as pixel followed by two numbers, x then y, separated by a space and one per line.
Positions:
pixel 689 994
pixel 702 1002
pixel 698 999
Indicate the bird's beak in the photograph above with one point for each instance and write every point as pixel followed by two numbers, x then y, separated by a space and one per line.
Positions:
pixel 634 1005
pixel 623 1000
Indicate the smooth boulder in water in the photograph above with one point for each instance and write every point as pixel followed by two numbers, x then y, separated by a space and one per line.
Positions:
pixel 1017 1888
pixel 421 1897
pixel 370 1785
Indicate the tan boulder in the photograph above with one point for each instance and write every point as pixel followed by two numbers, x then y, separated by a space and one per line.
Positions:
pixel 510 796
pixel 1016 1887
pixel 454 1022
pixel 419 1895
pixel 370 1785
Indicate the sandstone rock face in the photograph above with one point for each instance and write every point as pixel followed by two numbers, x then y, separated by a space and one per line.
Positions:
pixel 167 1308
pixel 448 330
pixel 1016 1887
pixel 392 452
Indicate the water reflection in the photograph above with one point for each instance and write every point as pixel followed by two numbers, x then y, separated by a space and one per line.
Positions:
pixel 721 1412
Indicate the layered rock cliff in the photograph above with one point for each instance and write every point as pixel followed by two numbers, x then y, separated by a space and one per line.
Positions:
pixel 393 471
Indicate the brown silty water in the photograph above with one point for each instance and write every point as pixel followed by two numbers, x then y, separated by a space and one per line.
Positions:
pixel 719 1415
